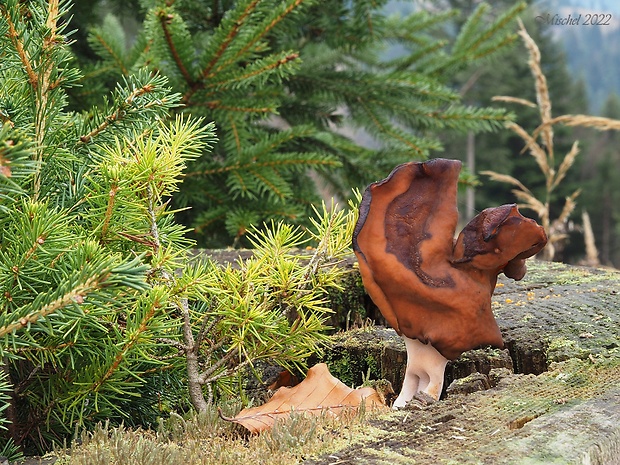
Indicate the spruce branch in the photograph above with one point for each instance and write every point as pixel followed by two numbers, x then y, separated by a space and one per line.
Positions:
pixel 266 30
pixel 385 129
pixel 164 20
pixel 217 105
pixel 75 296
pixel 209 70
pixel 33 79
pixel 266 164
pixel 134 339
pixel 171 342
pixel 207 374
pixel 208 324
pixel 232 33
pixel 226 373
pixel 108 48
pixel 269 66
pixel 44 87
pixel 121 112
pixel 194 376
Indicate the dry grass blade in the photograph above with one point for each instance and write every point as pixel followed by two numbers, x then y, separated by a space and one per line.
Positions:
pixel 556 237
pixel 529 201
pixel 597 122
pixel 535 149
pixel 543 151
pixel 542 90
pixel 569 206
pixel 568 161
pixel 507 179
pixel 588 236
pixel 508 99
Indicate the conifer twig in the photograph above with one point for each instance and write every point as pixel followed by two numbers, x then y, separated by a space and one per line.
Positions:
pixel 164 20
pixel 208 323
pixel 269 67
pixel 265 164
pixel 76 295
pixel 109 210
pixel 21 51
pixel 229 38
pixel 199 83
pixel 217 104
pixel 133 340
pixel 43 90
pixel 119 113
pixel 382 128
pixel 263 32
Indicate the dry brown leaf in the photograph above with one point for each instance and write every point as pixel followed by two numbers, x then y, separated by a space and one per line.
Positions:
pixel 285 379
pixel 319 392
pixel 5 169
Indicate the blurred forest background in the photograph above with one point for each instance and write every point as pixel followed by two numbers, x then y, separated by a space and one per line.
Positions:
pixel 581 64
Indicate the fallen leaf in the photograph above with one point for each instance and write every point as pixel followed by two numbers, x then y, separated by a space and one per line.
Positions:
pixel 285 379
pixel 319 392
pixel 4 169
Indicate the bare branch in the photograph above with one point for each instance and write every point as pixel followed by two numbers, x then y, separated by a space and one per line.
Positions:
pixel 173 343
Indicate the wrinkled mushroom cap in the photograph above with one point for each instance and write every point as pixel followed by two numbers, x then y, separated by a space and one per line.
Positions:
pixel 427 286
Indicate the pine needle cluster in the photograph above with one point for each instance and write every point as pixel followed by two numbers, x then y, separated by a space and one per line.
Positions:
pixel 304 102
pixel 104 314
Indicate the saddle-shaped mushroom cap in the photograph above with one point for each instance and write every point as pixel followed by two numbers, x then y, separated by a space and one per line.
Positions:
pixel 428 286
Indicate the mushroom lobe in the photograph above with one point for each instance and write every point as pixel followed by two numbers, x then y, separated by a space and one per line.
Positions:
pixel 426 285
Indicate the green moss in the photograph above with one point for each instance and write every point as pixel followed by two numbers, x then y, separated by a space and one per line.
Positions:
pixel 562 274
pixel 561 349
pixel 348 303
pixel 353 368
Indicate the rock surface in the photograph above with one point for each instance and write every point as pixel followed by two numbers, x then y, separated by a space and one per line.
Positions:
pixel 561 327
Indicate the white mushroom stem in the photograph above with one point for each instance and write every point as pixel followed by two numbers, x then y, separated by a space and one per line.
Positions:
pixel 425 370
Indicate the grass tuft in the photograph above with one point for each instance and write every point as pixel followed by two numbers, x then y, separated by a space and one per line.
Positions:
pixel 205 439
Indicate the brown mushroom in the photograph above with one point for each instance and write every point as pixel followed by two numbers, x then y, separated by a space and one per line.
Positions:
pixel 435 291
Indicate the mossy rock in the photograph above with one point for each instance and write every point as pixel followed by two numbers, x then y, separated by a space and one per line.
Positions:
pixel 369 353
